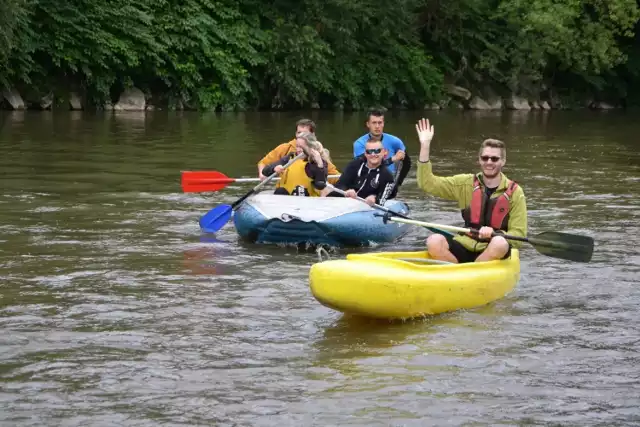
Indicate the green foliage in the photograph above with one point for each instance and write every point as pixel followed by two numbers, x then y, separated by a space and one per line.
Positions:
pixel 86 44
pixel 522 44
pixel 339 52
pixel 235 54
pixel 378 56
pixel 297 64
pixel 13 16
pixel 581 35
pixel 207 49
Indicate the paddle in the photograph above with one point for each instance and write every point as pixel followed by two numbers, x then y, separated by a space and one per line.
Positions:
pixel 572 247
pixel 393 190
pixel 382 208
pixel 205 181
pixel 402 169
pixel 377 206
pixel 217 217
pixel 396 176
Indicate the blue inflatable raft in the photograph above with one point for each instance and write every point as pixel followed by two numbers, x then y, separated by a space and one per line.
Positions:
pixel 335 221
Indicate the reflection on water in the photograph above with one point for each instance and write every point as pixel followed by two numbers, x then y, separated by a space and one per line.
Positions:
pixel 204 260
pixel 117 310
pixel 352 339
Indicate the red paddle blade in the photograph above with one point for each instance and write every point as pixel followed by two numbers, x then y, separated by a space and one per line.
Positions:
pixel 202 181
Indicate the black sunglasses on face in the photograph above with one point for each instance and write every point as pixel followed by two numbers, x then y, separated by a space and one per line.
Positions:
pixel 373 150
pixel 494 159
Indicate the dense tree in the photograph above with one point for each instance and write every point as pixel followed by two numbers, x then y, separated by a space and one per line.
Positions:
pixel 228 54
pixel 12 17
pixel 520 44
pixel 344 52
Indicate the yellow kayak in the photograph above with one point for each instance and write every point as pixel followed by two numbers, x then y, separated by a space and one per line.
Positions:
pixel 394 285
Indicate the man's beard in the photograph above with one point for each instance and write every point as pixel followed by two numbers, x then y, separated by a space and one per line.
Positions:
pixel 496 172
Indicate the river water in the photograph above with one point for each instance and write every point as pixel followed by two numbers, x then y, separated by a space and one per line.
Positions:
pixel 116 309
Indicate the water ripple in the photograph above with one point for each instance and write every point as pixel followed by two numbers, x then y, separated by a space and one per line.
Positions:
pixel 118 311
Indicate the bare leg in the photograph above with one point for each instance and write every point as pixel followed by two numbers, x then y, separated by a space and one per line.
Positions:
pixel 438 248
pixel 497 248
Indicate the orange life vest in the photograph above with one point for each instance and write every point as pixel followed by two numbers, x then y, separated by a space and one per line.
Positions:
pixel 486 211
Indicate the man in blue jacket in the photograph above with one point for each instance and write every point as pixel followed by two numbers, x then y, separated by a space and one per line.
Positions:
pixel 392 144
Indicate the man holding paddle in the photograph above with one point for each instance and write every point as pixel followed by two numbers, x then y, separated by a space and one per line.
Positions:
pixel 396 159
pixel 306 177
pixel 366 176
pixel 490 203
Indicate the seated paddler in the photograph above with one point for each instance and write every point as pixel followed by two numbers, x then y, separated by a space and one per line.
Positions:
pixel 286 148
pixel 396 158
pixel 367 176
pixel 304 177
pixel 489 201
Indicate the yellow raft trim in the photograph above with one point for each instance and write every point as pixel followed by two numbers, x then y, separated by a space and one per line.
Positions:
pixel 382 286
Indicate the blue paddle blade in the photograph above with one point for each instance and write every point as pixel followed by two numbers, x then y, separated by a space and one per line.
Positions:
pixel 216 218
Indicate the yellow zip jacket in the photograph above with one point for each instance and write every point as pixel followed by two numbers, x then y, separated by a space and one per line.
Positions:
pixel 460 189
pixel 287 148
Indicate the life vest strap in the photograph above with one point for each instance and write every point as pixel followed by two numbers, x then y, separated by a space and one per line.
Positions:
pixel 475 214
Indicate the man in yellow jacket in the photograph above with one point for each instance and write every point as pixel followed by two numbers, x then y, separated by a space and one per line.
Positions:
pixel 286 148
pixel 490 202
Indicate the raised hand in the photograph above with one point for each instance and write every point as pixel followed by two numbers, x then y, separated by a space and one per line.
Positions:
pixel 425 131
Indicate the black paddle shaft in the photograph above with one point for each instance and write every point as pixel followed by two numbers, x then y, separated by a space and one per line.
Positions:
pixel 242 199
pixel 572 247
pixel 389 213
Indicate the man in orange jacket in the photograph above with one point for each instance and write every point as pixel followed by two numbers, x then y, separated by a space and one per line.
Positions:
pixel 286 148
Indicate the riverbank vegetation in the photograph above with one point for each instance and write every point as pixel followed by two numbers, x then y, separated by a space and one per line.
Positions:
pixel 248 54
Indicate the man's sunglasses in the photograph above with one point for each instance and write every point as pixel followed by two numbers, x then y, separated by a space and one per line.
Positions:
pixel 494 159
pixel 373 150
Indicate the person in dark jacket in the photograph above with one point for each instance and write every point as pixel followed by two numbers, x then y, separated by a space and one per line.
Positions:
pixel 367 176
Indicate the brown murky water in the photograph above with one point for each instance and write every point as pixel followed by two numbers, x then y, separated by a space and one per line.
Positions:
pixel 117 310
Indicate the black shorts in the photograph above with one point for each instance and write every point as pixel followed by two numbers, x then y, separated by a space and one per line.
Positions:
pixel 463 254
